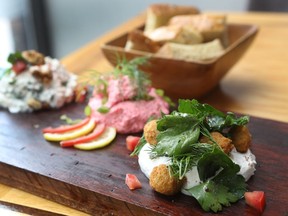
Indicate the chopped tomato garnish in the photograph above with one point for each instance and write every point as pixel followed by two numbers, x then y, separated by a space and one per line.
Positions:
pixel 19 66
pixel 131 142
pixel 66 128
pixel 80 93
pixel 132 182
pixel 99 129
pixel 256 199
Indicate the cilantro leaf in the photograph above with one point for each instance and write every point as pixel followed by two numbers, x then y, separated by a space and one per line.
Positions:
pixel 221 183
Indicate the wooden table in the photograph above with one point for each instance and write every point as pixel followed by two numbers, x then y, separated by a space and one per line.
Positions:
pixel 256 85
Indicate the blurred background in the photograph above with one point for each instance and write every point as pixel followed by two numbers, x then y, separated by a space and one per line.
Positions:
pixel 57 28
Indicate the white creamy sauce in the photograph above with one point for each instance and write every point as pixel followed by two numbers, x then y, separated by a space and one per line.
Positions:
pixel 17 90
pixel 246 161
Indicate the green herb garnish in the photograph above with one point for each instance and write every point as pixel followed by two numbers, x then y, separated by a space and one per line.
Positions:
pixel 221 185
pixel 69 120
pixel 161 93
pixel 178 138
pixel 139 79
pixel 13 57
pixel 103 109
pixel 87 110
pixel 138 148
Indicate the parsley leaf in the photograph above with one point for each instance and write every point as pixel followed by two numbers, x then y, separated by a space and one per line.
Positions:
pixel 178 138
pixel 212 196
pixel 177 133
pixel 221 183
pixel 212 118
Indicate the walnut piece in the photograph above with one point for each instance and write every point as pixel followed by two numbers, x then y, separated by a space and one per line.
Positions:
pixel 42 73
pixel 33 57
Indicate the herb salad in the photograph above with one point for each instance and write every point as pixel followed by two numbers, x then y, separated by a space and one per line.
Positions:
pixel 201 168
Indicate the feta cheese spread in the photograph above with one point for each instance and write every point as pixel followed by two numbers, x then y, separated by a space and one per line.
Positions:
pixel 246 161
pixel 25 92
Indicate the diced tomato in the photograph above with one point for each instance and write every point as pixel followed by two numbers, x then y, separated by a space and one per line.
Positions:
pixel 131 142
pixel 19 66
pixel 99 129
pixel 80 93
pixel 132 182
pixel 256 199
pixel 65 128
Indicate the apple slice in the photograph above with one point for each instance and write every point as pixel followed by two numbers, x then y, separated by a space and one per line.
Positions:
pixel 66 128
pixel 103 140
pixel 98 130
pixel 78 132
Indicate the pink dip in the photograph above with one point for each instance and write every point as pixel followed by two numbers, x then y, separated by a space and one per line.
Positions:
pixel 126 115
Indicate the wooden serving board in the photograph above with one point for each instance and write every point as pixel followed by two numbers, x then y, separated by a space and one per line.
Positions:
pixel 94 181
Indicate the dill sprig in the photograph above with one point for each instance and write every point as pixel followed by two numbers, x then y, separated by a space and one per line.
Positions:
pixel 181 164
pixel 139 79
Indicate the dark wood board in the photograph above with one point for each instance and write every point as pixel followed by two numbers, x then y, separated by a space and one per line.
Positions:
pixel 94 181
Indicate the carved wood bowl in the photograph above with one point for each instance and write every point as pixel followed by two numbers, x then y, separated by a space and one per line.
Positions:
pixel 187 79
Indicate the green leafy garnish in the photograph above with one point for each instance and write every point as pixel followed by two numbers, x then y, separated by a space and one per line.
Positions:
pixel 177 133
pixel 87 110
pixel 221 183
pixel 69 120
pixel 178 138
pixel 181 164
pixel 139 146
pixel 213 119
pixel 161 93
pixel 139 79
pixel 13 57
pixel 103 109
pixel 5 72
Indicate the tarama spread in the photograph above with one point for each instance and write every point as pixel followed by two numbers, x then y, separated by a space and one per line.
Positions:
pixel 124 113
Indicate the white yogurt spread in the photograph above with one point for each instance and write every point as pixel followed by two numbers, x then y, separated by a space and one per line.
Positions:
pixel 246 161
pixel 17 91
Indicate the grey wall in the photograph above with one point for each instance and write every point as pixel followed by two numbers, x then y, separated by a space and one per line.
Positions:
pixel 74 23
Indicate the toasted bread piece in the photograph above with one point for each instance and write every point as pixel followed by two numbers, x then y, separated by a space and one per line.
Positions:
pixel 210 26
pixel 159 14
pixel 138 41
pixel 176 34
pixel 197 52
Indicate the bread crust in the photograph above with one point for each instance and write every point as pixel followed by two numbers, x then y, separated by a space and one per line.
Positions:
pixel 138 41
pixel 159 14
pixel 197 52
pixel 210 26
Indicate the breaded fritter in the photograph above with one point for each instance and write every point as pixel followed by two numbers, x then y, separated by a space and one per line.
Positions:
pixel 222 141
pixel 162 182
pixel 151 132
pixel 241 138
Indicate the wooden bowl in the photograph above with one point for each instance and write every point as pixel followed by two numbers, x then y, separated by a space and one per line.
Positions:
pixel 187 79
